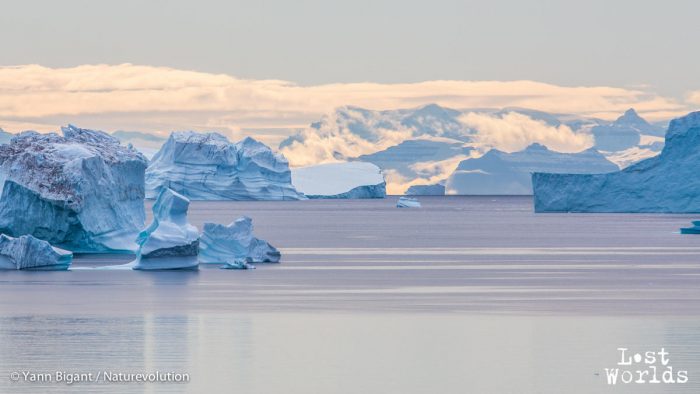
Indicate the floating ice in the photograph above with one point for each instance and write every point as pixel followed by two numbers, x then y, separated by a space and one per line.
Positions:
pixel 169 242
pixel 692 230
pixel 82 191
pixel 666 183
pixel 29 253
pixel 340 180
pixel 405 202
pixel 209 167
pixel 235 245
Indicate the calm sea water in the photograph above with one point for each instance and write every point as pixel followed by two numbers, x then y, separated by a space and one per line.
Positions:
pixel 467 294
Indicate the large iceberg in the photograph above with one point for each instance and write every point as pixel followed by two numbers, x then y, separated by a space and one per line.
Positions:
pixel 667 183
pixel 206 166
pixel 82 191
pixel 340 180
pixel 29 253
pixel 501 173
pixel 5 137
pixel 169 242
pixel 235 245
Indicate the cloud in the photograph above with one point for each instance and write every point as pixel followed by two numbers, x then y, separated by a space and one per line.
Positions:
pixel 514 131
pixel 152 98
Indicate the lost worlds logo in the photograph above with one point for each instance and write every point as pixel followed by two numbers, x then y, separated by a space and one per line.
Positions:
pixel 647 367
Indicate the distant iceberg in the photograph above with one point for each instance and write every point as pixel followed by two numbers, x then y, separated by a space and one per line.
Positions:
pixel 405 202
pixel 235 245
pixel 668 183
pixel 29 253
pixel 340 180
pixel 692 230
pixel 206 166
pixel 426 190
pixel 82 191
pixel 501 173
pixel 169 242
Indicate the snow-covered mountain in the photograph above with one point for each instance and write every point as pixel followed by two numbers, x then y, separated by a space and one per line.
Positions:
pixel 669 182
pixel 501 173
pixel 624 133
pixel 424 145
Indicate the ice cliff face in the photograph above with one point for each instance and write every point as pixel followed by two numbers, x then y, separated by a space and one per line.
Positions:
pixel 669 182
pixel 340 180
pixel 169 242
pixel 29 253
pixel 235 245
pixel 209 167
pixel 82 191
pixel 500 173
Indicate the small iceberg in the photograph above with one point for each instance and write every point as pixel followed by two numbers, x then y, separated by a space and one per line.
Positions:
pixel 407 202
pixel 692 230
pixel 169 242
pixel 30 253
pixel 235 245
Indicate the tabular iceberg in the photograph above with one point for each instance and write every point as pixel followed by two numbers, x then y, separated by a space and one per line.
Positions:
pixel 235 245
pixel 208 167
pixel 692 230
pixel 405 202
pixel 29 253
pixel 340 180
pixel 169 242
pixel 426 190
pixel 82 191
pixel 667 183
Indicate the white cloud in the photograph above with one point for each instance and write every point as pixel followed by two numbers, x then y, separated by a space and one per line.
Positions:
pixel 514 131
pixel 158 98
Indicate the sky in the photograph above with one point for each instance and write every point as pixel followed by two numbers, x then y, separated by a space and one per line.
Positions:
pixel 273 66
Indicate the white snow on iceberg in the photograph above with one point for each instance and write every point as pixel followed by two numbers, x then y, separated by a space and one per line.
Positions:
pixel 29 253
pixel 340 180
pixel 82 191
pixel 169 242
pixel 666 183
pixel 235 245
pixel 206 166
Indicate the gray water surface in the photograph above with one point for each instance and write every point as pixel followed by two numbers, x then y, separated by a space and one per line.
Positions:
pixel 467 294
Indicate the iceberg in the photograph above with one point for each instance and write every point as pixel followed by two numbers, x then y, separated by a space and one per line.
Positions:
pixel 501 173
pixel 169 242
pixel 426 190
pixel 667 183
pixel 235 245
pixel 5 137
pixel 206 166
pixel 82 191
pixel 692 230
pixel 29 253
pixel 340 180
pixel 405 202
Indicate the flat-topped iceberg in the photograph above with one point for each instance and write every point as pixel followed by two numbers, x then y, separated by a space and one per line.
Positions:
pixel 667 183
pixel 29 253
pixel 426 190
pixel 406 202
pixel 170 241
pixel 235 245
pixel 82 191
pixel 340 180
pixel 206 166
